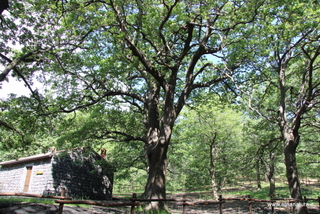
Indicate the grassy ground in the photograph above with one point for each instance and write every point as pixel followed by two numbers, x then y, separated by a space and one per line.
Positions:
pixel 45 201
pixel 312 190
pixel 14 199
pixel 282 191
pixel 245 189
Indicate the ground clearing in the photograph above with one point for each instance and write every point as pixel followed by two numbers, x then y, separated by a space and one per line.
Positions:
pixel 232 207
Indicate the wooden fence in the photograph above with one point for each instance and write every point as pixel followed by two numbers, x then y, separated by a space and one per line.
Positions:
pixel 61 200
pixel 104 204
pixel 221 201
pixel 134 201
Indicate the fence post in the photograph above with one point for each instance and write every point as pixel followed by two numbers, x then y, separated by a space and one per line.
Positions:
pixel 184 204
pixel 272 207
pixel 63 192
pixel 184 207
pixel 220 204
pixel 134 196
pixel 60 209
pixel 250 204
pixel 305 203
pixel 291 207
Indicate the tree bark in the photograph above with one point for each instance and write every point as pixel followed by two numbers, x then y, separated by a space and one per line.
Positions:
pixel 292 174
pixel 291 143
pixel 271 177
pixel 290 132
pixel 212 170
pixel 291 170
pixel 258 173
pixel 158 138
pixel 156 183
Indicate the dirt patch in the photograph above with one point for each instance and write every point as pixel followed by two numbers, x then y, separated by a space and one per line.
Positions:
pixel 232 207
pixel 229 207
pixel 27 208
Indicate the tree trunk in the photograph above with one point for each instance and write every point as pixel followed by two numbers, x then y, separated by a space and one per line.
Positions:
pixel 212 171
pixel 291 138
pixel 214 187
pixel 258 173
pixel 291 143
pixel 156 183
pixel 271 177
pixel 272 187
pixel 158 139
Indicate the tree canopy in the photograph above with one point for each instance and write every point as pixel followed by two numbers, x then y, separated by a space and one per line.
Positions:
pixel 132 66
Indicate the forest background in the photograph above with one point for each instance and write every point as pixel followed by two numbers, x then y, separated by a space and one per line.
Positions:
pixel 180 93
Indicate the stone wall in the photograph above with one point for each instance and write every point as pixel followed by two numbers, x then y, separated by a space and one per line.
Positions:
pixel 41 180
pixel 83 174
pixel 12 177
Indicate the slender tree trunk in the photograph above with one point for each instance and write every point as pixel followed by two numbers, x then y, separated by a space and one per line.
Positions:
pixel 272 187
pixel 258 173
pixel 214 187
pixel 212 171
pixel 271 177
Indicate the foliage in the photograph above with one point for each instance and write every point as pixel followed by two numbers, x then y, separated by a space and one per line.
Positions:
pixel 24 131
pixel 308 155
pixel 288 81
pixel 212 128
pixel 263 151
pixel 125 70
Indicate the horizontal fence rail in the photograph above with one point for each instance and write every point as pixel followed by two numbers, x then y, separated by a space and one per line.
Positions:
pixel 103 204
pixel 134 201
pixel 221 201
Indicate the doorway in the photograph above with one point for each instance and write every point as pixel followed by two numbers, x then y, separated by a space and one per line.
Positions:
pixel 28 178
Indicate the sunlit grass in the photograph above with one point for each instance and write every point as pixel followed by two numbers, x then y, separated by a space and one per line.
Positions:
pixel 282 191
pixel 262 193
pixel 244 190
pixel 9 199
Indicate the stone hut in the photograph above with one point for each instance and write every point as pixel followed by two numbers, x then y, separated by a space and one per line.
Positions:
pixel 81 173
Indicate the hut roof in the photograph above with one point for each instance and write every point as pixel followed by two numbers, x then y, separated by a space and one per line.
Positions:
pixel 26 159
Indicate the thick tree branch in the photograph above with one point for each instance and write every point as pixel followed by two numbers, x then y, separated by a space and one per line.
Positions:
pixel 110 135
pixel 134 49
pixel 6 125
pixel 95 100
pixel 187 43
pixel 14 63
pixel 166 18
pixel 312 153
